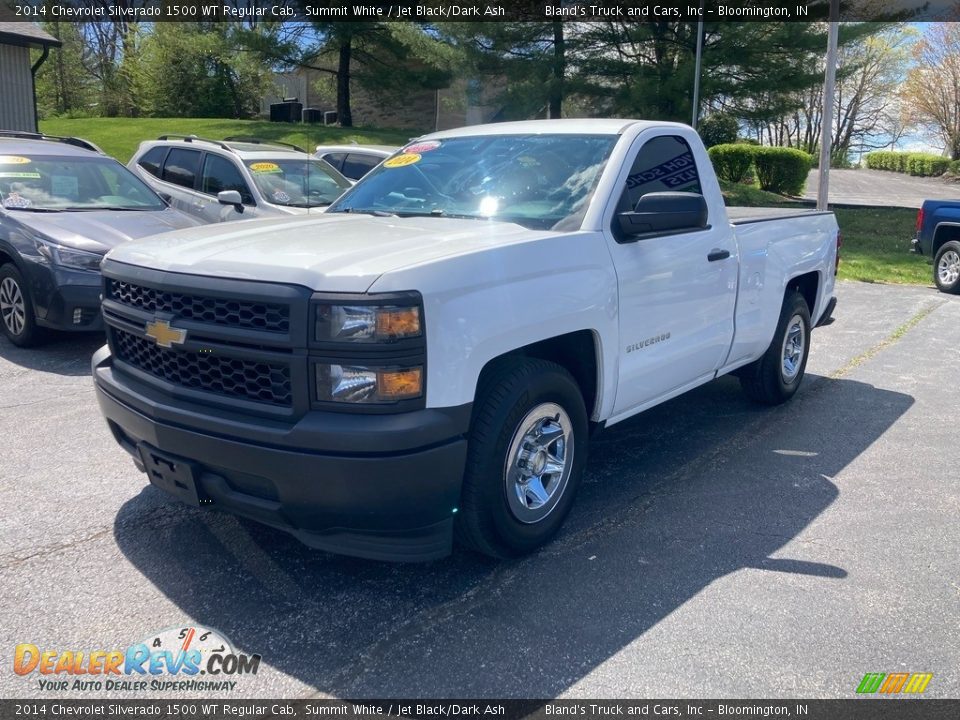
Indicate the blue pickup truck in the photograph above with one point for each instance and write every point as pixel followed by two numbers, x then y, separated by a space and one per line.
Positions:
pixel 938 237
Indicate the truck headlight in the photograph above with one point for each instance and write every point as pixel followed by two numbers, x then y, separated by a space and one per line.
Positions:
pixel 66 257
pixel 366 323
pixel 354 383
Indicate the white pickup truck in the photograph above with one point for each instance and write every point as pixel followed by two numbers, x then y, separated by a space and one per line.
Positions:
pixel 428 360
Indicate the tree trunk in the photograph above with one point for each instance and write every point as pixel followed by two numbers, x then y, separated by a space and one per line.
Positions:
pixel 344 116
pixel 559 70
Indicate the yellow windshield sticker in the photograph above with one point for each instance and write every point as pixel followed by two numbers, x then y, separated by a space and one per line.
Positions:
pixel 13 160
pixel 402 160
pixel 30 175
pixel 265 167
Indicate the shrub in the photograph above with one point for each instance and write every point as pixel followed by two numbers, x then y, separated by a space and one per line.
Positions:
pixel 718 128
pixel 919 164
pixel 954 167
pixel 926 165
pixel 782 170
pixel 732 162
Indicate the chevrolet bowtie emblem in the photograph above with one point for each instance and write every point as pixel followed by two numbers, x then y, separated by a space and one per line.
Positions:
pixel 165 335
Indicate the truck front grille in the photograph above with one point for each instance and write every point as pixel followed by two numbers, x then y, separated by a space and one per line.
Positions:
pixel 271 317
pixel 264 382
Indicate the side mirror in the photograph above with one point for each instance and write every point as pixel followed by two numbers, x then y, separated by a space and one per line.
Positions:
pixel 664 212
pixel 231 197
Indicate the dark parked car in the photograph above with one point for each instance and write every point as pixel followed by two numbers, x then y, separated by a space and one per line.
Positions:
pixel 355 161
pixel 63 205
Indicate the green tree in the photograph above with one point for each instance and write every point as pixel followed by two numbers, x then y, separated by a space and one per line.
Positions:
pixel 529 59
pixel 199 69
pixel 63 85
pixel 383 57
pixel 932 88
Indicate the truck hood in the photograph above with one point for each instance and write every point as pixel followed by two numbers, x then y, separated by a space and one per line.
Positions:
pixel 103 230
pixel 336 253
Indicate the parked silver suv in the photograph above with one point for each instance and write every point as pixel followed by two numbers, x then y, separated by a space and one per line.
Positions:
pixel 238 178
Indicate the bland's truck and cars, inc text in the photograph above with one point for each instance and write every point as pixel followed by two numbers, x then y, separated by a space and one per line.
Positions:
pixel 428 360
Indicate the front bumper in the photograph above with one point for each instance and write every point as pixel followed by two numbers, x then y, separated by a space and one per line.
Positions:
pixel 64 299
pixel 382 487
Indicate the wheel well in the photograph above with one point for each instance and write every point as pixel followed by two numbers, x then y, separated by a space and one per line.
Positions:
pixel 807 286
pixel 944 234
pixel 576 352
pixel 4 258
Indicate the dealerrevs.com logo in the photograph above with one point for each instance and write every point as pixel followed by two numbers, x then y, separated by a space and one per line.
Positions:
pixel 176 659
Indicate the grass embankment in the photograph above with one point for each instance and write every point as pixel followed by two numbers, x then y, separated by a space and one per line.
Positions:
pixel 876 241
pixel 120 137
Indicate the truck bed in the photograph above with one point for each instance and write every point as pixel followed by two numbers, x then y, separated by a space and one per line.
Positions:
pixel 746 215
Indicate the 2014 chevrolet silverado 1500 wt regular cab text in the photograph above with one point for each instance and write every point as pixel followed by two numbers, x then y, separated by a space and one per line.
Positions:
pixel 428 359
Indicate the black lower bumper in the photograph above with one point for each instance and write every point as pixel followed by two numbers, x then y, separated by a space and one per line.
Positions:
pixel 395 505
pixel 65 299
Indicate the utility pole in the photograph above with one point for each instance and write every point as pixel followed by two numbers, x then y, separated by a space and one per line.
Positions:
pixel 696 72
pixel 826 130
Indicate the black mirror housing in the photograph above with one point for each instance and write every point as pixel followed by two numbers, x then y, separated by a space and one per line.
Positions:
pixel 664 212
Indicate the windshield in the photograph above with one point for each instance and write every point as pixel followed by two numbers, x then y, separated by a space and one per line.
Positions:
pixel 297 183
pixel 72 183
pixel 538 181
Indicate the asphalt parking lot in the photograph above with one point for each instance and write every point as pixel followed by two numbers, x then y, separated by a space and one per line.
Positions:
pixel 879 188
pixel 717 549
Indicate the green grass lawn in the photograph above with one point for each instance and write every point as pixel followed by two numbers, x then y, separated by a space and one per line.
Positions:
pixel 120 137
pixel 876 246
pixel 876 241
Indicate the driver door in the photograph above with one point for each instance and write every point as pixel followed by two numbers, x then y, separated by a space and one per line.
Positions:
pixel 677 291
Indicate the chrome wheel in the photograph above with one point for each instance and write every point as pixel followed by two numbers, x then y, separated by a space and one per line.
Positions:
pixel 948 269
pixel 13 308
pixel 794 341
pixel 539 462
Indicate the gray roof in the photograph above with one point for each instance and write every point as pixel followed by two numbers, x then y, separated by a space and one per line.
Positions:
pixel 25 33
pixel 41 148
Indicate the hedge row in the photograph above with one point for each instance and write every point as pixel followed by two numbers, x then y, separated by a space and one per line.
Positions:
pixel 920 164
pixel 778 170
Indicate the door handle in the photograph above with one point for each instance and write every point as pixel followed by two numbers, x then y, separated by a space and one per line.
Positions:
pixel 718 254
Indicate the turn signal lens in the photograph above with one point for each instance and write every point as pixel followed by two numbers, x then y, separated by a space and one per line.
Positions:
pixel 398 322
pixel 400 384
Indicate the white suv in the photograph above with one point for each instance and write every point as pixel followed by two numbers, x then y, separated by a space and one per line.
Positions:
pixel 238 178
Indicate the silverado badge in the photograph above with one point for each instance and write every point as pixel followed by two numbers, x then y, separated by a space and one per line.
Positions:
pixel 165 335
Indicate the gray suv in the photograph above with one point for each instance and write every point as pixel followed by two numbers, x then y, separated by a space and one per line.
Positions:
pixel 238 178
pixel 63 205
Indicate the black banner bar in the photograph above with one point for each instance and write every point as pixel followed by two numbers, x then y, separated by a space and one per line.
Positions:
pixel 893 708
pixel 436 11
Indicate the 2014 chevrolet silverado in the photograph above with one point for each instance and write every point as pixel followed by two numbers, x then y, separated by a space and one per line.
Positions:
pixel 429 358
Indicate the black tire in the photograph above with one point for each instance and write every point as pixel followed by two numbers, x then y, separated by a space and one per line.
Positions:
pixel 511 397
pixel 17 319
pixel 947 278
pixel 767 379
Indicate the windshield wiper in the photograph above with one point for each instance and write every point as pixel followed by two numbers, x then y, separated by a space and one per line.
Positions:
pixel 362 211
pixel 33 209
pixel 437 212
pixel 116 208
